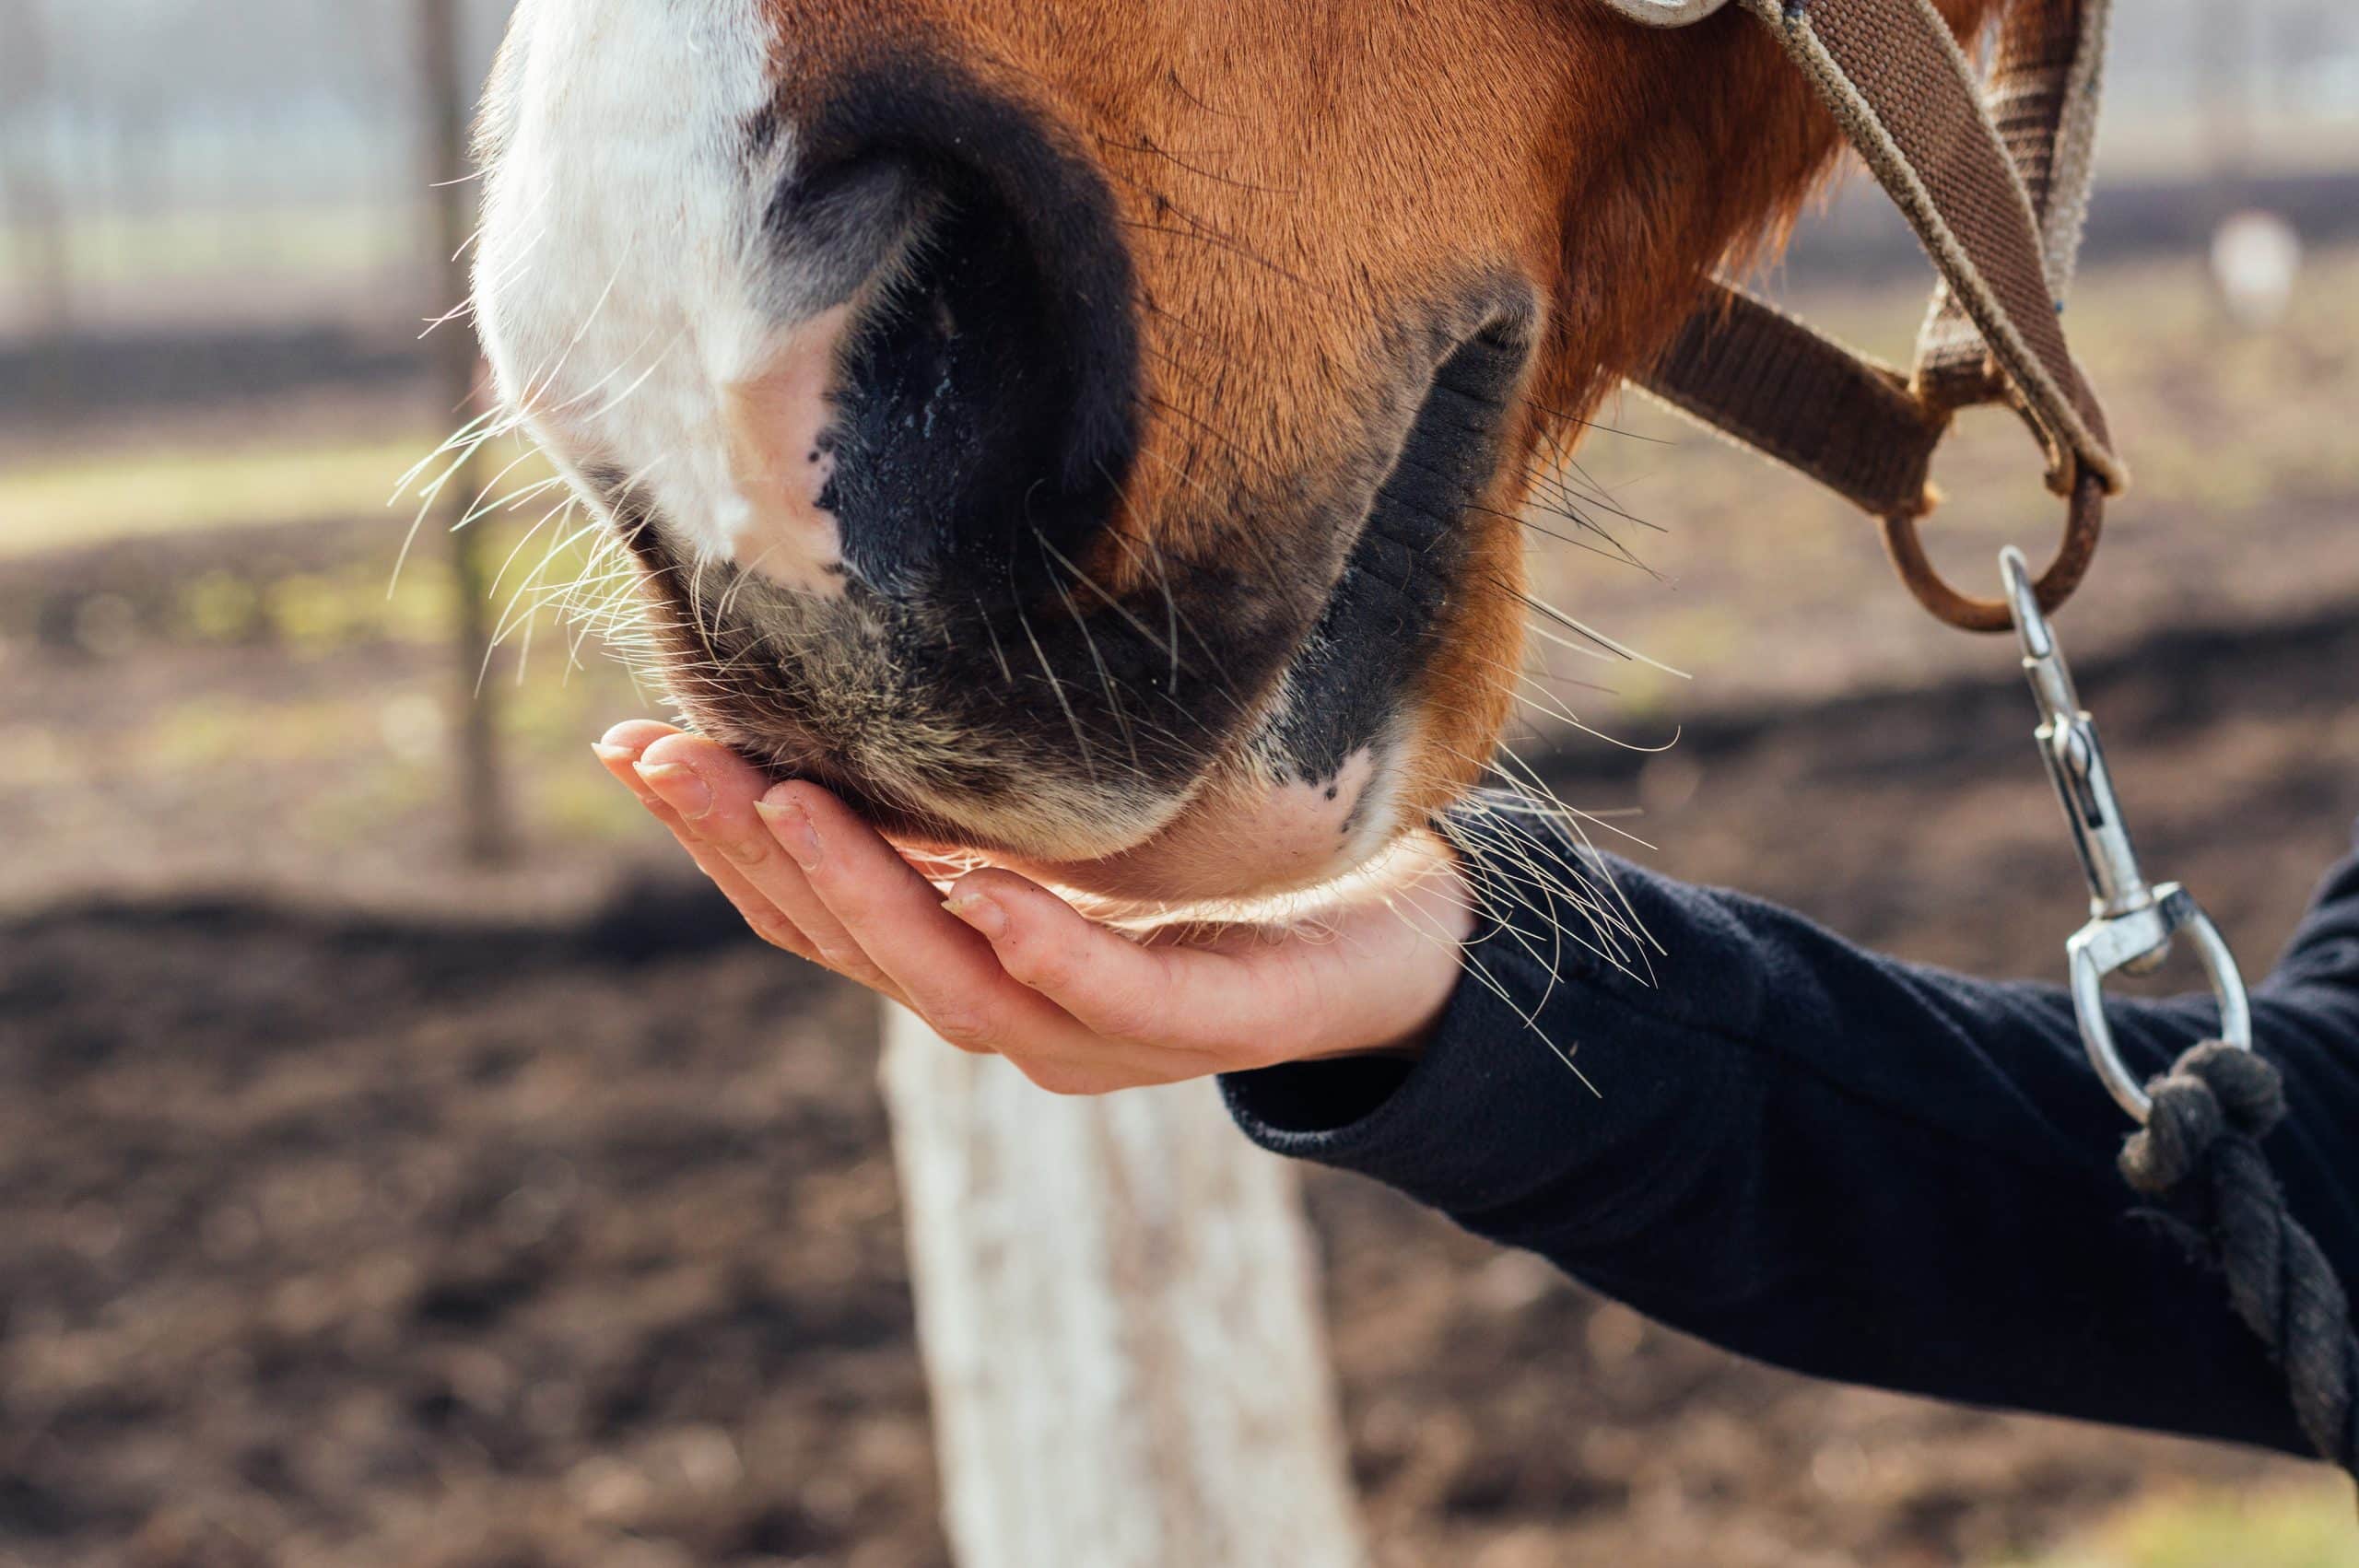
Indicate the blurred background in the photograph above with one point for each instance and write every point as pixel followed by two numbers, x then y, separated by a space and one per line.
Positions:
pixel 403 1166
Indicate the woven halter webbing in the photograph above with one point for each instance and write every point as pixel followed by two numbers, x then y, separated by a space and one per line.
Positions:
pixel 1995 181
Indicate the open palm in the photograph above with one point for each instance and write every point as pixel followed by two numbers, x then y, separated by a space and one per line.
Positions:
pixel 997 963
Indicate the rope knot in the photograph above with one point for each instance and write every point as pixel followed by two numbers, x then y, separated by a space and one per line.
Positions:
pixel 2199 1157
pixel 2215 1091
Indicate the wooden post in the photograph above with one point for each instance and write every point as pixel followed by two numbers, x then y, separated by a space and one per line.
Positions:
pixel 1118 1308
pixel 484 835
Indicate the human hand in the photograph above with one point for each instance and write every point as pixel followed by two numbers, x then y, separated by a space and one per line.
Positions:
pixel 996 963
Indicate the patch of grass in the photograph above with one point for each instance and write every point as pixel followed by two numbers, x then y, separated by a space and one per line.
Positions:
pixel 2311 1527
pixel 311 241
pixel 98 499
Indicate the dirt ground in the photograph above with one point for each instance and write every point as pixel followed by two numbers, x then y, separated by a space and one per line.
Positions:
pixel 366 1213
pixel 369 1240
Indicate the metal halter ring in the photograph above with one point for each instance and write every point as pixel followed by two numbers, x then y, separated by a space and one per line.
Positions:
pixel 2083 523
pixel 1666 13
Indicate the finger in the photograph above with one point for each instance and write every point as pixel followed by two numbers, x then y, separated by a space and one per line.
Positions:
pixel 719 795
pixel 1111 984
pixel 953 978
pixel 620 752
pixel 624 745
pixel 1051 1050
pixel 1232 1003
pixel 1367 974
pixel 762 917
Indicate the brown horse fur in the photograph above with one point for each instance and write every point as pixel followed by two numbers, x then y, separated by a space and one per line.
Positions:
pixel 1292 180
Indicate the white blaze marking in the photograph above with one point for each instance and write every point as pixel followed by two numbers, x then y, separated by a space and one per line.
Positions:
pixel 619 268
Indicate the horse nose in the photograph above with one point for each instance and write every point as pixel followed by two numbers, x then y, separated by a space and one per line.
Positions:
pixel 959 389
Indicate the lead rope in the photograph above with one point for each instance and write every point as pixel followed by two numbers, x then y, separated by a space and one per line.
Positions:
pixel 2200 1158
pixel 2197 1155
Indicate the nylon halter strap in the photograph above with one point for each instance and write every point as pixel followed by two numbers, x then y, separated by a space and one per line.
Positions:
pixel 1995 181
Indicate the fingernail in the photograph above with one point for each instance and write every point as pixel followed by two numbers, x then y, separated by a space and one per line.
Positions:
pixel 791 824
pixel 611 756
pixel 980 912
pixel 680 787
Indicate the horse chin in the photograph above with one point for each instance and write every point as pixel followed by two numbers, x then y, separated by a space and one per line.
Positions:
pixel 1245 841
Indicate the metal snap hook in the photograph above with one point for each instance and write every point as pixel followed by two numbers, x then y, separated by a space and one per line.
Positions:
pixel 2132 927
pixel 2105 947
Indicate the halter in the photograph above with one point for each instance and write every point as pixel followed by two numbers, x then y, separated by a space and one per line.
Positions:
pixel 1994 178
pixel 1995 181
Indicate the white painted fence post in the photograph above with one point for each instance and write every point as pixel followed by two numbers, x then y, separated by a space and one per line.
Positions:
pixel 1120 1324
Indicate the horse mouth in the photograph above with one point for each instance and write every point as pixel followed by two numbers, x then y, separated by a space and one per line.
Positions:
pixel 1199 733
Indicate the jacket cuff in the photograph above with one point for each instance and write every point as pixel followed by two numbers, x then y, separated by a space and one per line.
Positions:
pixel 1592 967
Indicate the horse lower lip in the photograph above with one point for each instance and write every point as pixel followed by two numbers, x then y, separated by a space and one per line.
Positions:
pixel 799 757
pixel 904 826
pixel 783 749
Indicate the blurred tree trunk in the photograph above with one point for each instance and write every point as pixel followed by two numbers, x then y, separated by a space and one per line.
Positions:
pixel 483 831
pixel 1118 1303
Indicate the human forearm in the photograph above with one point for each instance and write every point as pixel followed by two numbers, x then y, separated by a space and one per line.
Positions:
pixel 1840 1164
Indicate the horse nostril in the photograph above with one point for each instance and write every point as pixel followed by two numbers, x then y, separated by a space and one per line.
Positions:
pixel 982 410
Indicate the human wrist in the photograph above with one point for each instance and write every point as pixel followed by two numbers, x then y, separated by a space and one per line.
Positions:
pixel 1428 905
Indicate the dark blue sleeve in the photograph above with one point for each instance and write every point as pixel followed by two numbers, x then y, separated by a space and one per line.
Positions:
pixel 1837 1162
